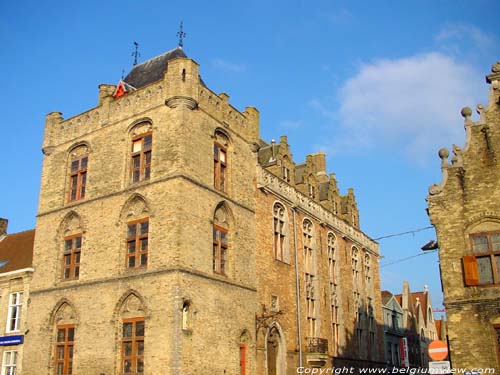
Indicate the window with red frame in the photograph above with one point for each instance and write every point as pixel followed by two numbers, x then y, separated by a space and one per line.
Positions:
pixel 483 267
pixel 220 167
pixel 64 349
pixel 220 245
pixel 133 346
pixel 137 243
pixel 78 178
pixel 71 258
pixel 141 157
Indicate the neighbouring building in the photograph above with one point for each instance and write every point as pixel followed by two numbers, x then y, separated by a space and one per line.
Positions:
pixel 171 239
pixel 465 210
pixel 409 327
pixel 16 256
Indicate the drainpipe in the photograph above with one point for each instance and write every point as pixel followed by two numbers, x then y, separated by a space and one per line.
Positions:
pixel 297 286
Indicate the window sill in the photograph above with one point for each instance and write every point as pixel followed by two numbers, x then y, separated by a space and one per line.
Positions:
pixel 279 261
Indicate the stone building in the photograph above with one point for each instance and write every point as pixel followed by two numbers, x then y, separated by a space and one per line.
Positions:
pixel 16 255
pixel 408 317
pixel 465 210
pixel 171 239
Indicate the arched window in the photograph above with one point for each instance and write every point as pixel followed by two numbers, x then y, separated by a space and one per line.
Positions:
pixel 221 144
pixel 368 275
pixel 355 281
pixel 141 152
pixel 78 172
pixel 64 320
pixel 72 233
pixel 280 227
pixel 334 298
pixel 308 241
pixel 132 332
pixel 220 240
pixel 135 214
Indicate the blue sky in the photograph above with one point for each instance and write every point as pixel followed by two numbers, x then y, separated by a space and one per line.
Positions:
pixel 378 85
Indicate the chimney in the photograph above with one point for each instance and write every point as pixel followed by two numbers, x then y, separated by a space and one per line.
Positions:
pixel 3 226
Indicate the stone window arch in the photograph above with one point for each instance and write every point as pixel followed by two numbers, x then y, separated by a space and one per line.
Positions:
pixel 141 151
pixel 71 244
pixel 135 215
pixel 64 323
pixel 131 317
pixel 78 157
pixel 221 162
pixel 281 231
pixel 221 236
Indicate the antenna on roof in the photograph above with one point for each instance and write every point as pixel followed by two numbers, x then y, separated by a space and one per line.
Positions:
pixel 136 53
pixel 181 34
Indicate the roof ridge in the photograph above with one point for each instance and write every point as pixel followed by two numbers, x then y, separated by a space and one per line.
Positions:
pixel 158 56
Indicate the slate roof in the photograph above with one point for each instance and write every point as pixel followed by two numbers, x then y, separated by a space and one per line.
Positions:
pixel 386 296
pixel 17 250
pixel 153 69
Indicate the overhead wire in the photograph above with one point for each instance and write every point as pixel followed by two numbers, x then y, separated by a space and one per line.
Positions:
pixel 407 258
pixel 403 233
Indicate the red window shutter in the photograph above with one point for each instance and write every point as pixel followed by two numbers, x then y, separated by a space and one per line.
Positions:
pixel 471 274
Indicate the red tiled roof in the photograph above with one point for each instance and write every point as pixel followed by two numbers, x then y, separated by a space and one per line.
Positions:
pixel 386 296
pixel 422 298
pixel 17 250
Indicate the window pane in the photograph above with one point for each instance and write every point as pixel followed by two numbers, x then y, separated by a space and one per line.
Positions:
pixel 223 237
pixel 60 352
pixel 61 335
pixel 67 245
pixel 127 329
pixel 485 271
pixel 131 262
pixel 70 368
pixel 127 348
pixel 136 176
pixel 148 140
pixel 83 164
pixel 136 160
pixel 139 329
pixel 147 173
pixel 495 241
pixel 140 347
pixel 66 273
pixel 144 259
pixel 144 244
pixel 74 165
pixel 222 156
pixel 215 232
pixel 131 230
pixel 67 259
pixel 70 352
pixel 77 272
pixel 59 369
pixel 78 242
pixel 127 366
pixel 131 247
pixel 140 366
pixel 216 153
pixel 148 157
pixel 71 334
pixel 497 260
pixel 77 257
pixel 137 145
pixel 480 243
pixel 144 227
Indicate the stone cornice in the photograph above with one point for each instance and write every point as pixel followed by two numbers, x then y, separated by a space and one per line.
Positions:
pixel 272 183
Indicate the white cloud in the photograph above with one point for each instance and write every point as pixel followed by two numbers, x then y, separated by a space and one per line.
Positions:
pixel 228 66
pixel 461 33
pixel 411 105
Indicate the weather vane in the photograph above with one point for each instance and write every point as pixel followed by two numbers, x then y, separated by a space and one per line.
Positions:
pixel 181 34
pixel 136 53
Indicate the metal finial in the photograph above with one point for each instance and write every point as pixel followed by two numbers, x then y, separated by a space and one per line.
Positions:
pixel 181 34
pixel 136 53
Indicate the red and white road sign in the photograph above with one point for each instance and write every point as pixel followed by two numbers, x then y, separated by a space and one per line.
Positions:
pixel 438 350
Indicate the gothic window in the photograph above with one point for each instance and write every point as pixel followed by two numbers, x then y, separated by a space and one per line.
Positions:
pixel 78 178
pixel 142 146
pixel 312 192
pixel 14 312
pixel 355 267
pixel 132 350
pixel 368 275
pixel 280 227
pixel 64 349
pixel 334 298
pixel 9 363
pixel 220 162
pixel 78 173
pixel 137 243
pixel 308 241
pixel 220 241
pixel 483 267
pixel 71 258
